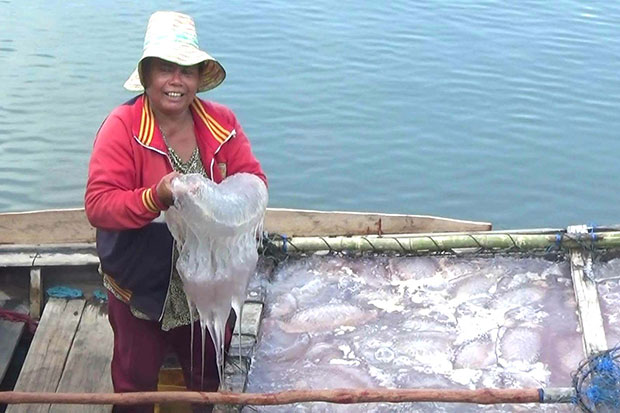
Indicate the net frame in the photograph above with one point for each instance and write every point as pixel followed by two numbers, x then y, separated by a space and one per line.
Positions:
pixel 599 243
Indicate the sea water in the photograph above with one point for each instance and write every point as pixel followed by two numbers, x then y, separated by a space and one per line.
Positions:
pixel 501 111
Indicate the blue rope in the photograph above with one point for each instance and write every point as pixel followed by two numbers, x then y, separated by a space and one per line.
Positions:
pixel 597 382
pixel 64 292
pixel 284 246
pixel 100 295
pixel 558 243
pixel 591 231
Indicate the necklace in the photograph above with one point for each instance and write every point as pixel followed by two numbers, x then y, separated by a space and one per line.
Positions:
pixel 193 164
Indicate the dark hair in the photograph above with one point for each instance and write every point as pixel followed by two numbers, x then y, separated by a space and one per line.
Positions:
pixel 145 67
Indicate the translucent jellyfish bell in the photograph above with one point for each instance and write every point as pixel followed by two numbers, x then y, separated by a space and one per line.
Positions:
pixel 230 208
pixel 215 227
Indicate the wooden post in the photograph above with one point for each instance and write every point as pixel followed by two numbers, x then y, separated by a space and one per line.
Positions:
pixel 36 293
pixel 586 294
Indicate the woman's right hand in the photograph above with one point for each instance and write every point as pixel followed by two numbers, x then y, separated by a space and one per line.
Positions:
pixel 164 188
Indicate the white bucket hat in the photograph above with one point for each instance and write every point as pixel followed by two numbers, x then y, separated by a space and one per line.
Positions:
pixel 172 36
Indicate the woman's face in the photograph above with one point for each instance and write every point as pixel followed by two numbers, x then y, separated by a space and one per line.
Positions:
pixel 171 88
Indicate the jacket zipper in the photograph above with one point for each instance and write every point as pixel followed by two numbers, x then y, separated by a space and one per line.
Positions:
pixel 172 263
pixel 161 314
pixel 229 137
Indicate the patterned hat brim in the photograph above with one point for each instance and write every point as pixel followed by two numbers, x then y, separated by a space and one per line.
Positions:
pixel 212 75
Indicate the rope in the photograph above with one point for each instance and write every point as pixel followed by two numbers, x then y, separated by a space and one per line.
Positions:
pixel 64 292
pixel 514 243
pixel 597 382
pixel 36 255
pixel 402 247
pixel 19 318
pixel 591 231
pixel 329 247
pixel 100 295
pixel 284 247
pixel 374 249
pixel 557 245
pixel 434 242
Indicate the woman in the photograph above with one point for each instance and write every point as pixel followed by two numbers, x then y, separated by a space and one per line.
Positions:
pixel 141 146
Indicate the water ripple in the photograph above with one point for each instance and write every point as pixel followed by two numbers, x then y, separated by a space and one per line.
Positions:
pixel 477 110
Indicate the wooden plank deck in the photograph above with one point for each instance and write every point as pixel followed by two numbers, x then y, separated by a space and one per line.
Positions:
pixel 10 330
pixel 72 349
pixel 88 364
pixel 10 333
pixel 70 352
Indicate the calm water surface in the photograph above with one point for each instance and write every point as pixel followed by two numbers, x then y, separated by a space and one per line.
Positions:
pixel 485 110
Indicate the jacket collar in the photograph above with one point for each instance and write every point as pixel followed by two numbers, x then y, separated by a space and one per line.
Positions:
pixel 218 132
pixel 147 132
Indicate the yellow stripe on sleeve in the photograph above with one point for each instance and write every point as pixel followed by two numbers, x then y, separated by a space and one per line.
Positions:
pixel 148 201
pixel 152 199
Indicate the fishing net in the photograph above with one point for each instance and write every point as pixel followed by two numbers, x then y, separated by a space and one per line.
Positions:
pixel 215 227
pixel 462 311
pixel 597 382
pixel 373 321
pixel 445 311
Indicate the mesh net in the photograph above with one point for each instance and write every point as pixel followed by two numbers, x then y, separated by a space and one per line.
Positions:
pixel 480 310
pixel 399 321
pixel 597 382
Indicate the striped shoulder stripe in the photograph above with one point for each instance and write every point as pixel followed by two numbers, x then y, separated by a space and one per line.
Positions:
pixel 202 114
pixel 147 124
pixel 217 130
pixel 149 201
pixel 123 293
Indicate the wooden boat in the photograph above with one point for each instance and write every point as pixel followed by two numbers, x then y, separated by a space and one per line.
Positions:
pixel 41 249
pixel 56 247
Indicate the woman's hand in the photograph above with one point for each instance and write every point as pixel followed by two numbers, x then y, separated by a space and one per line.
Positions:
pixel 164 188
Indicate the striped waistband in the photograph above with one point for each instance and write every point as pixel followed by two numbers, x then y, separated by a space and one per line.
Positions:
pixel 118 291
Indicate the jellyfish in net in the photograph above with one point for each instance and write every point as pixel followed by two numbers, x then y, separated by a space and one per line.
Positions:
pixel 216 228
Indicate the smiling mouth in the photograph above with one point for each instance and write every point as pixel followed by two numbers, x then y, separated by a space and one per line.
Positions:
pixel 174 94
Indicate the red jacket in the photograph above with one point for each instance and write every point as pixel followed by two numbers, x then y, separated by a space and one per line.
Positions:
pixel 128 160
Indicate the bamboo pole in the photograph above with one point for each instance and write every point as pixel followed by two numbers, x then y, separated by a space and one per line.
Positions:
pixel 448 242
pixel 517 239
pixel 341 396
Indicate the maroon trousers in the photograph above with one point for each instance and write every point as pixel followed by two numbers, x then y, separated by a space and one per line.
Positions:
pixel 139 350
